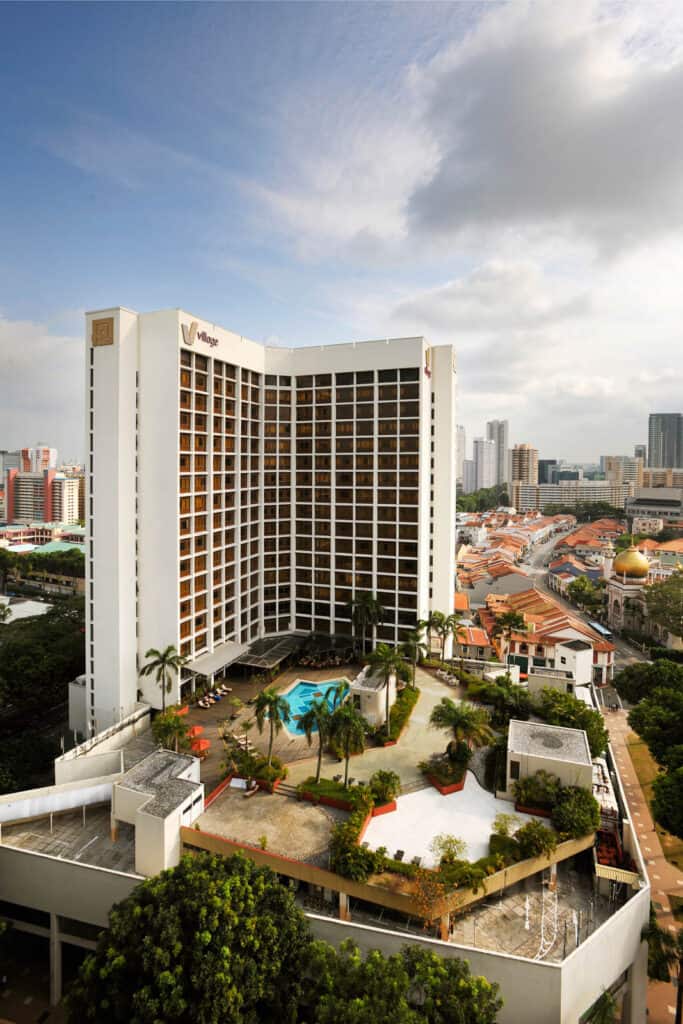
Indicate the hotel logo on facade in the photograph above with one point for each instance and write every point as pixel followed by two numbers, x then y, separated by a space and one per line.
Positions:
pixel 191 333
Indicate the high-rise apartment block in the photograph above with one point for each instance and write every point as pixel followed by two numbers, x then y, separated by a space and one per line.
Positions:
pixel 469 476
pixel 665 439
pixel 45 496
pixel 640 452
pixel 236 491
pixel 485 466
pixel 524 464
pixel 545 469
pixel 498 432
pixel 621 469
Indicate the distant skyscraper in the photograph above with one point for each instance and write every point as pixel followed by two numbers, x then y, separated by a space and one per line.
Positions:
pixel 524 464
pixel 38 459
pixel 460 441
pixel 498 432
pixel 640 452
pixel 484 454
pixel 469 476
pixel 545 467
pixel 665 439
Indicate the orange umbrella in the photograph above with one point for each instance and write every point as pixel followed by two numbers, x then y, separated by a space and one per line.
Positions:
pixel 200 746
pixel 195 730
pixel 182 711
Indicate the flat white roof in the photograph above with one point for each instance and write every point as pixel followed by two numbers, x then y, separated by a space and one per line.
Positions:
pixel 551 741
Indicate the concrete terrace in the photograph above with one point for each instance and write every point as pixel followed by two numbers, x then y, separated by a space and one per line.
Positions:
pixel 82 835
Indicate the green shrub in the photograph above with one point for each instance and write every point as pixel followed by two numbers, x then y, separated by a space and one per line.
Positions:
pixel 505 847
pixel 541 790
pixel 534 839
pixel 349 859
pixel 359 797
pixel 384 786
pixel 399 714
pixel 444 769
pixel 576 813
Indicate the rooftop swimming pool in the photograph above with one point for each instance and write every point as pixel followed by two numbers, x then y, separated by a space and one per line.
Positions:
pixel 301 696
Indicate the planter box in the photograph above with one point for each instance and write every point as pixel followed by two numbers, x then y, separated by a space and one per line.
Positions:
pixel 328 801
pixel 540 812
pixel 451 787
pixel 383 809
pixel 388 743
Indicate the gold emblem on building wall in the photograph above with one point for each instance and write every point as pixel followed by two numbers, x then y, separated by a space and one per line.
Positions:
pixel 103 331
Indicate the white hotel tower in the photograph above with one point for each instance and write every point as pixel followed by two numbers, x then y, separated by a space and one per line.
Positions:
pixel 237 491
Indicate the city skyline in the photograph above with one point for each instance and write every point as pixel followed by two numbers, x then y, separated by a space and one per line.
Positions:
pixel 203 190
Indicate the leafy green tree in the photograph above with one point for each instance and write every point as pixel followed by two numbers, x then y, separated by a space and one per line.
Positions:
pixel 366 611
pixel 414 649
pixel 8 562
pixel 414 986
pixel 170 730
pixel 641 679
pixel 447 848
pixel 468 724
pixel 559 708
pixel 485 499
pixel 5 613
pixel 576 813
pixel 658 720
pixel 347 729
pixel 215 939
pixel 509 623
pixel 665 603
pixel 272 706
pixel 317 718
pixel 163 664
pixel 668 800
pixel 386 661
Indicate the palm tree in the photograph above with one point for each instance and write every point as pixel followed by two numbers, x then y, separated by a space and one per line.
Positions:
pixel 365 611
pixel 467 723
pixel 269 704
pixel 386 662
pixel 336 693
pixel 347 728
pixel 442 625
pixel 170 730
pixel 413 649
pixel 163 664
pixel 317 717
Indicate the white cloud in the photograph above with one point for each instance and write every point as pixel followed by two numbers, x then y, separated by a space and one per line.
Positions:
pixel 41 388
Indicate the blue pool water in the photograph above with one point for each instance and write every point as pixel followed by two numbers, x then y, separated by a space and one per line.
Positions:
pixel 303 695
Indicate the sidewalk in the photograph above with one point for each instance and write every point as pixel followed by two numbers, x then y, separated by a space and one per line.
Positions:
pixel 664 877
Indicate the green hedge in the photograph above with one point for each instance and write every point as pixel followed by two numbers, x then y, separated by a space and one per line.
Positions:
pixel 359 796
pixel 349 859
pixel 399 713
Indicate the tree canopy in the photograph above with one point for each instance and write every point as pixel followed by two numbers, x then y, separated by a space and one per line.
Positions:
pixel 559 708
pixel 221 941
pixel 658 719
pixel 665 603
pixel 639 680
pixel 484 499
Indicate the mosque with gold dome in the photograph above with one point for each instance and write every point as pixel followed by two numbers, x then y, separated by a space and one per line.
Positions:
pixel 628 574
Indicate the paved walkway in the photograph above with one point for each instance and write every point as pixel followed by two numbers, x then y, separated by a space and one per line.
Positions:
pixel 664 878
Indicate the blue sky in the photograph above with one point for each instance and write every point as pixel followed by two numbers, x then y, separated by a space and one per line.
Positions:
pixel 505 177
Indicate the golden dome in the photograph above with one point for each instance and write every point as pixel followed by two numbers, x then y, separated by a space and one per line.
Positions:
pixel 631 563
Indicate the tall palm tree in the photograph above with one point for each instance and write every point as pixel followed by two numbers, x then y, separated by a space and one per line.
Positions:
pixel 163 664
pixel 413 648
pixel 336 693
pixel 318 718
pixel 435 624
pixel 347 728
pixel 467 723
pixel 170 730
pixel 386 662
pixel 269 704
pixel 365 611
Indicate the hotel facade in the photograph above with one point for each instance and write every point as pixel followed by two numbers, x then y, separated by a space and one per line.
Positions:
pixel 236 491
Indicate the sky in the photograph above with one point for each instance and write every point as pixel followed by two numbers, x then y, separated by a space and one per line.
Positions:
pixel 505 177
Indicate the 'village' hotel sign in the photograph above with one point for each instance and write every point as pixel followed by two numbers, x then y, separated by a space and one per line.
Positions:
pixel 192 334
